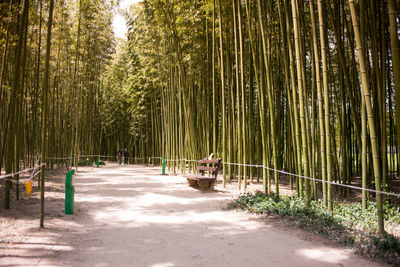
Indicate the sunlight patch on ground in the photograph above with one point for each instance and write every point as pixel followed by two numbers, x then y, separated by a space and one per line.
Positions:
pixel 167 264
pixel 150 199
pixel 326 255
pixel 148 205
pixel 136 215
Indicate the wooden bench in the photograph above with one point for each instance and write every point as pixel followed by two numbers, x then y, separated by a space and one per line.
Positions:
pixel 202 181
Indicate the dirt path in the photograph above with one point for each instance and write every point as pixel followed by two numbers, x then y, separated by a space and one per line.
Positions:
pixel 133 216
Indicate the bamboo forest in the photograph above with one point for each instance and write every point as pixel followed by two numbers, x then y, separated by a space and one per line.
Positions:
pixel 298 97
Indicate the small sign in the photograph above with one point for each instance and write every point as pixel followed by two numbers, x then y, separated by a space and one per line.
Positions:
pixel 28 187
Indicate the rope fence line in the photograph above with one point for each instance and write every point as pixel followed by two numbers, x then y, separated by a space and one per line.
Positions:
pixel 23 180
pixel 61 158
pixel 297 175
pixel 225 163
pixel 314 179
pixel 20 172
pixel 95 156
pixel 149 158
pixel 79 156
pixel 189 160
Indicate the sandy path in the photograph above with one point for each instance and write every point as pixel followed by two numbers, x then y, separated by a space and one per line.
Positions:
pixel 133 216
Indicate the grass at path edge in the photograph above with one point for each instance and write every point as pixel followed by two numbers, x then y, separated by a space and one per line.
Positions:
pixel 348 224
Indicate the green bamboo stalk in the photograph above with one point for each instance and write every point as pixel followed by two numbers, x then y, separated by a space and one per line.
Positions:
pixel 223 139
pixel 45 111
pixel 326 102
pixel 371 121
pixel 395 47
pixel 271 105
pixel 301 100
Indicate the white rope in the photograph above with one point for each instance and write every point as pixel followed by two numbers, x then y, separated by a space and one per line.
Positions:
pixel 96 156
pixel 173 160
pixel 314 179
pixel 82 156
pixel 243 165
pixel 61 158
pixel 297 175
pixel 148 158
pixel 23 171
pixel 189 160
pixel 22 181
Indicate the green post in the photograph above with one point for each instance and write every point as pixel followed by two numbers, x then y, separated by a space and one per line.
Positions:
pixel 69 193
pixel 163 166
pixel 97 162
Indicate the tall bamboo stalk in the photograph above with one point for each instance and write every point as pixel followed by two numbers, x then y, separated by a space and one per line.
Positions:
pixel 326 103
pixel 45 110
pixel 301 98
pixel 395 46
pixel 371 120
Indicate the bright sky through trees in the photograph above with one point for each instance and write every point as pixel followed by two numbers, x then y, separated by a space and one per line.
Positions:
pixel 119 23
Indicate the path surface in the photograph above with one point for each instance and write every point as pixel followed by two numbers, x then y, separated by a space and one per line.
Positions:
pixel 133 216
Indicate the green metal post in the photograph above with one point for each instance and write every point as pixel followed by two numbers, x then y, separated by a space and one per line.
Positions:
pixel 69 193
pixel 163 166
pixel 97 162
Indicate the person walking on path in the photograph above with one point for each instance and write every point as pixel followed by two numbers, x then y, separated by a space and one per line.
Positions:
pixel 126 156
pixel 119 156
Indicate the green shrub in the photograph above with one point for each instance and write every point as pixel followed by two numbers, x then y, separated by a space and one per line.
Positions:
pixel 348 224
pixel 86 162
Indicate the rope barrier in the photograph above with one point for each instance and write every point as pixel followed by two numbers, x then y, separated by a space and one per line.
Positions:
pixel 314 179
pixel 172 160
pixel 96 156
pixel 235 164
pixel 22 181
pixel 61 158
pixel 149 158
pixel 23 171
pixel 299 176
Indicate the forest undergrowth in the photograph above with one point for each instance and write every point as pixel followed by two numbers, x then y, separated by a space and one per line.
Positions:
pixel 348 224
